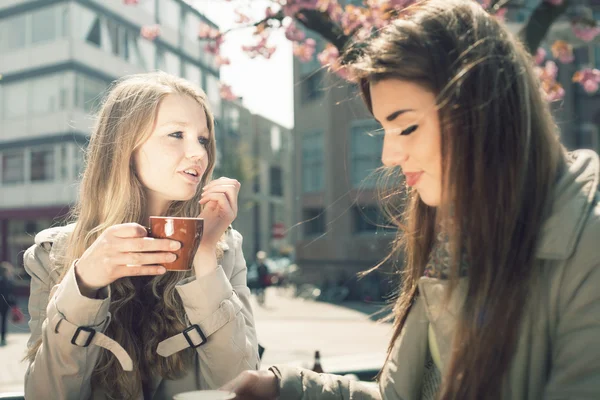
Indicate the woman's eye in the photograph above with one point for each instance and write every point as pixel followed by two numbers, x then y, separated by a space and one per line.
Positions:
pixel 409 130
pixel 203 140
pixel 177 135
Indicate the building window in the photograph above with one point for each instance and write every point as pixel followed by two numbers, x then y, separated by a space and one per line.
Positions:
pixel 15 99
pixel 48 94
pixel 365 152
pixel 214 94
pixel 314 221
pixel 311 86
pixel 43 25
pixel 169 13
pixel 275 139
pixel 42 165
pixel 150 7
pixel 312 162
pixel 275 176
pixel 15 29
pixel 192 73
pixel 369 218
pixel 13 170
pixel 168 62
pixel 89 92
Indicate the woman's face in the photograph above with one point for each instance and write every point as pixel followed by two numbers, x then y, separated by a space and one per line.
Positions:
pixel 408 114
pixel 172 162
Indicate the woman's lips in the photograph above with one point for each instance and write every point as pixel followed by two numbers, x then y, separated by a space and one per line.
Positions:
pixel 412 177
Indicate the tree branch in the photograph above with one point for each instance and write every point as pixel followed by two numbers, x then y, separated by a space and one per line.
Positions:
pixel 320 22
pixel 544 15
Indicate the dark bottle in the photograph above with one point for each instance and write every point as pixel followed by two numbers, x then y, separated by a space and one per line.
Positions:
pixel 317 367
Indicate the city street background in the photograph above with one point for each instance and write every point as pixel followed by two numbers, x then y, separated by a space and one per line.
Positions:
pixel 289 328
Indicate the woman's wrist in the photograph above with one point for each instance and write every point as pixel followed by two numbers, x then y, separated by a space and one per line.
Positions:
pixel 205 260
pixel 84 289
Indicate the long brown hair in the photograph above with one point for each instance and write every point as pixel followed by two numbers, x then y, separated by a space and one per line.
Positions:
pixel 500 157
pixel 144 310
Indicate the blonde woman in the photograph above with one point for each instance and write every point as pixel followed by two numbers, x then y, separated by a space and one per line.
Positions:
pixel 107 320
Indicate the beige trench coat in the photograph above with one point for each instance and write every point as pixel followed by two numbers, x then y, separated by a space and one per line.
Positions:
pixel 558 354
pixel 218 303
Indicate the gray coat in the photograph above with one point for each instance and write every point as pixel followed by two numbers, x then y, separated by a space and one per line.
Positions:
pixel 218 302
pixel 558 353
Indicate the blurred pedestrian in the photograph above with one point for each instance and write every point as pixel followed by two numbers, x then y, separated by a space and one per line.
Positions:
pixel 264 276
pixel 499 231
pixel 7 298
pixel 107 320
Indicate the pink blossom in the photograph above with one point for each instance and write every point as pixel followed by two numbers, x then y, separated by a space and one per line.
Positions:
pixel 292 33
pixel 540 56
pixel 207 32
pixel 329 56
pixel 131 2
pixel 241 18
pixel 585 33
pixel 222 60
pixel 485 3
pixel 551 89
pixel 563 51
pixel 261 48
pixel 555 2
pixel 226 92
pixel 588 78
pixel 305 51
pixel 150 32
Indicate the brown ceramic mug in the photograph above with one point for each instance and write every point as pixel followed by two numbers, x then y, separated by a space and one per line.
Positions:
pixel 187 231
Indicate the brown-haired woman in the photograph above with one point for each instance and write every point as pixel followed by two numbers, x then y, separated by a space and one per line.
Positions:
pixel 501 231
pixel 107 322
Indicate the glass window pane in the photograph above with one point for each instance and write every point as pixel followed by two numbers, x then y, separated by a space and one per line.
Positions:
pixel 192 74
pixel 192 26
pixel 312 162
pixel 149 7
pixel 16 28
pixel 214 94
pixel 365 153
pixel 13 170
pixel 45 94
pixel 43 25
pixel 89 92
pixel 169 13
pixel 15 100
pixel 42 164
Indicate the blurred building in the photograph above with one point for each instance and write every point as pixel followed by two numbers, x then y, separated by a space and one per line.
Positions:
pixel 58 57
pixel 260 155
pixel 340 226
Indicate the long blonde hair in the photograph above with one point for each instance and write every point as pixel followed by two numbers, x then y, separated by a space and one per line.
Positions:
pixel 110 194
pixel 501 156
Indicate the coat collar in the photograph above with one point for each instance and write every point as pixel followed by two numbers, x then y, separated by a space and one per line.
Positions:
pixel 574 194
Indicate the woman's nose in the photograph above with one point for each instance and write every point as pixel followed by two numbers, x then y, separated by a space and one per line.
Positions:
pixel 392 154
pixel 196 151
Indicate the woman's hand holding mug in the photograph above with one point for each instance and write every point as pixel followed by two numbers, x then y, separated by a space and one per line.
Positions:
pixel 122 250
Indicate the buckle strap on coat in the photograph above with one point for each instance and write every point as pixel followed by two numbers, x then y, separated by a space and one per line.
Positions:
pixel 196 334
pixel 83 336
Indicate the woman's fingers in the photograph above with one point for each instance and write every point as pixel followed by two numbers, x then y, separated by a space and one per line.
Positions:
pixel 141 244
pixel 128 230
pixel 124 270
pixel 223 181
pixel 228 193
pixel 144 258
